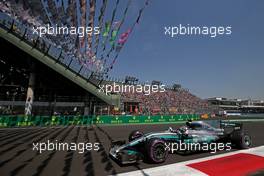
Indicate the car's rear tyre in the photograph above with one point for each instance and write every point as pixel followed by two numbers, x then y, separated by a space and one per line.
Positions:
pixel 241 140
pixel 156 151
pixel 135 135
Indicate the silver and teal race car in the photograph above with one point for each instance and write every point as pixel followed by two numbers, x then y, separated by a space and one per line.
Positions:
pixel 195 136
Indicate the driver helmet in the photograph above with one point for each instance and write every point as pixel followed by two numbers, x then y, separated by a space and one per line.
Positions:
pixel 184 130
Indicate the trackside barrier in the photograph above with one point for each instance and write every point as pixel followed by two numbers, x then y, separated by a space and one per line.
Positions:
pixel 22 121
pixel 144 119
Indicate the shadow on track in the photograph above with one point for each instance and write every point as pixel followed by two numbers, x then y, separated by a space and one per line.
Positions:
pixel 109 168
pixel 50 156
pixel 88 162
pixel 69 156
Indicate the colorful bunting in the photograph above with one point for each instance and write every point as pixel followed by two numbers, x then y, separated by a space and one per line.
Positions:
pixel 83 20
pixel 112 40
pixel 113 37
pixel 91 21
pixel 100 21
pixel 81 13
pixel 124 37
pixel 111 22
pixel 107 29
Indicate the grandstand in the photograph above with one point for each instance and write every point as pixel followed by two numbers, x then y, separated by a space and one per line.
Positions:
pixel 35 53
pixel 171 101
pixel 236 106
pixel 42 78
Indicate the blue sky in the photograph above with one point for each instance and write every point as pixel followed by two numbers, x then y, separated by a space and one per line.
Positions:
pixel 226 66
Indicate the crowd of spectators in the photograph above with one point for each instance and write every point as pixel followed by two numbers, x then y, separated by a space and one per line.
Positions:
pixel 35 15
pixel 179 101
pixel 172 101
pixel 32 18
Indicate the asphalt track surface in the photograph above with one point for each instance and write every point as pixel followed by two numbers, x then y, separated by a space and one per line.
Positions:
pixel 18 158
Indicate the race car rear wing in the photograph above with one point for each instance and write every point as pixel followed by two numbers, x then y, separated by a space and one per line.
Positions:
pixel 227 124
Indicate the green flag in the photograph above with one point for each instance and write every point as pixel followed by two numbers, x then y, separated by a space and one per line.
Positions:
pixel 113 37
pixel 107 29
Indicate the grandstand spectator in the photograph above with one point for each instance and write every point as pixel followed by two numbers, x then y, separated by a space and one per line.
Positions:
pixel 171 101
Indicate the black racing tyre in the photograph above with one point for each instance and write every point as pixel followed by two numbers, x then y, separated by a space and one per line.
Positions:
pixel 156 151
pixel 241 140
pixel 134 135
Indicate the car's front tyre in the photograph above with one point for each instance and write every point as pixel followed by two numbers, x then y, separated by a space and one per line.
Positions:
pixel 156 151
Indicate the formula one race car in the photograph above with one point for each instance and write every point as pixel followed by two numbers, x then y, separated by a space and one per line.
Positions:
pixel 154 147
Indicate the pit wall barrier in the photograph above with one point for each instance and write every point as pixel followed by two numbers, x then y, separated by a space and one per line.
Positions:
pixel 23 121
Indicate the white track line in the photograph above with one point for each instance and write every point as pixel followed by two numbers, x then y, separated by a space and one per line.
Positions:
pixel 180 169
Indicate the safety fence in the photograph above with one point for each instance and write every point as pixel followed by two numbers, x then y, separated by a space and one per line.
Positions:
pixel 18 121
